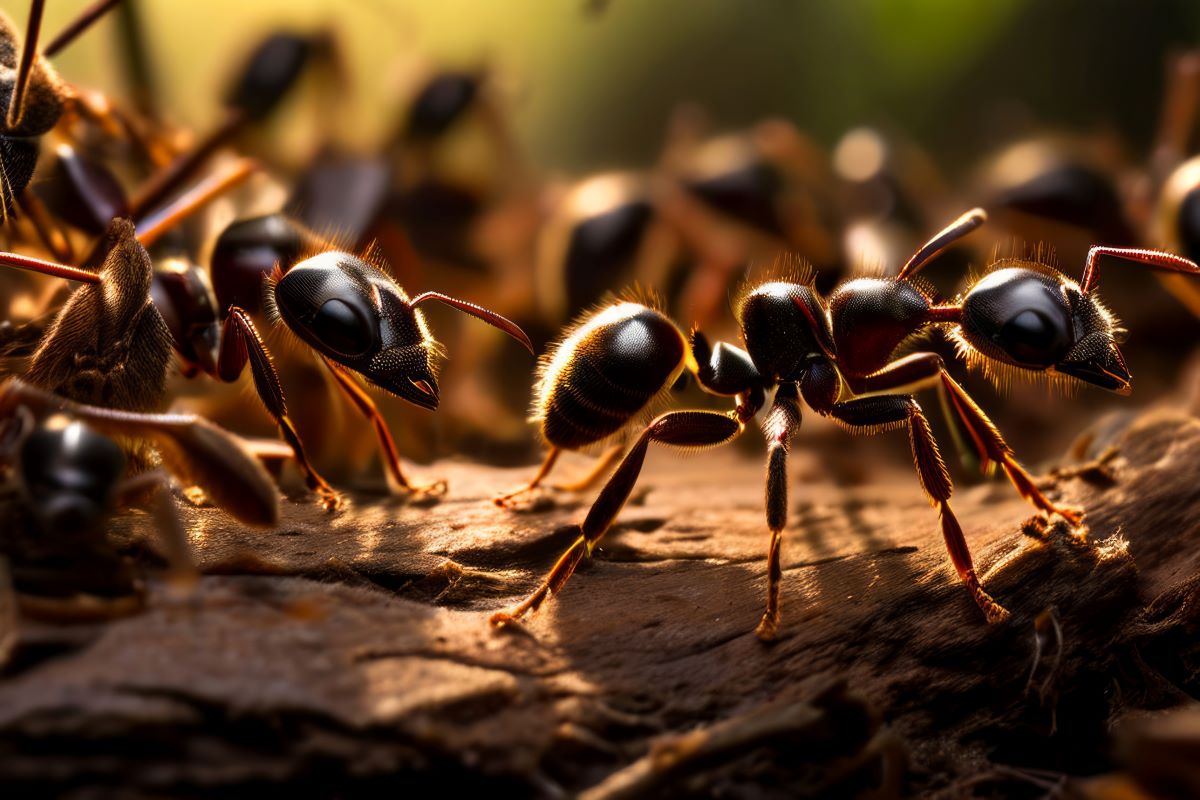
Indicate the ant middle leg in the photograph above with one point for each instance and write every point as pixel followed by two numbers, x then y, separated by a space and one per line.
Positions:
pixel 779 426
pixel 679 428
pixel 880 412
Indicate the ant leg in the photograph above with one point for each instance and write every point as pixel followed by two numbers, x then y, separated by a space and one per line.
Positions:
pixel 159 186
pixel 680 428
pixel 779 426
pixel 77 26
pixel 878 413
pixel 992 448
pixel 599 470
pixel 915 371
pixel 180 565
pixel 240 342
pixel 194 450
pixel 151 228
pixel 387 445
pixel 506 500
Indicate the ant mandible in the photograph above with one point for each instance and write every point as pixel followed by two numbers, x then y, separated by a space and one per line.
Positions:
pixel 839 356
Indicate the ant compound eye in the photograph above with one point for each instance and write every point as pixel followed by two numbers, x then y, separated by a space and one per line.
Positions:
pixel 1034 337
pixel 342 328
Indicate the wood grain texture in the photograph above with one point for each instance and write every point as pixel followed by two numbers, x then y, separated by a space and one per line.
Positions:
pixel 351 652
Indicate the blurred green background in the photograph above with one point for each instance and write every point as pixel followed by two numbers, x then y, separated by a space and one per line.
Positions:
pixel 592 84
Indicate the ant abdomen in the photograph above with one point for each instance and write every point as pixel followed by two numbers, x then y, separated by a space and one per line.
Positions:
pixel 1179 211
pixel 69 474
pixel 606 372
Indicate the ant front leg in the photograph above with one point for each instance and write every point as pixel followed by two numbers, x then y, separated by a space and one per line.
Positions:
pixel 679 428
pixel 240 343
pixel 779 426
pixel 387 445
pixel 874 414
pixel 992 448
pixel 921 370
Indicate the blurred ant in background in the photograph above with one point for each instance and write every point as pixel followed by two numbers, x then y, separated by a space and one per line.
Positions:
pixel 63 477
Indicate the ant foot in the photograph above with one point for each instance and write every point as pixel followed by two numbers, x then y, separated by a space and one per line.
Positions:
pixel 331 500
pixel 1071 514
pixel 421 491
pixel 518 498
pixel 768 627
pixel 503 619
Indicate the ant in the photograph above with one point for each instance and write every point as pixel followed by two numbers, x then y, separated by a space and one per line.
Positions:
pixel 838 355
pixel 349 311
pixel 108 344
pixel 712 201
pixel 360 322
pixel 70 475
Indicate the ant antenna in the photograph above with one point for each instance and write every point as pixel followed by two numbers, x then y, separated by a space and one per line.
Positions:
pixel 943 239
pixel 29 51
pixel 77 26
pixel 490 317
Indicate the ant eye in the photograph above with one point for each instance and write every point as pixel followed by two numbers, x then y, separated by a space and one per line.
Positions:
pixel 342 328
pixel 1033 337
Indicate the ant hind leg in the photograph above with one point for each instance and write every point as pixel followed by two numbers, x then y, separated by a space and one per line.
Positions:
pixel 679 428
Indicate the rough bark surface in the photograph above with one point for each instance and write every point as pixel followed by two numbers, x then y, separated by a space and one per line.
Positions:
pixel 352 652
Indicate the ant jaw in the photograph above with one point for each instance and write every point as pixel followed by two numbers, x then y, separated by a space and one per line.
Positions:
pixel 1105 369
pixel 419 392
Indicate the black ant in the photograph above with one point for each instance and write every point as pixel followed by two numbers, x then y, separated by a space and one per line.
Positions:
pixel 352 313
pixel 70 475
pixel 359 321
pixel 838 355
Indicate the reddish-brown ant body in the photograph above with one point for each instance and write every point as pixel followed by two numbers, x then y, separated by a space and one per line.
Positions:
pixel 838 355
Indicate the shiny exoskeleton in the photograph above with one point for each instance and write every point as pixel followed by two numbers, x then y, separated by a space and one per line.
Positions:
pixel 361 323
pixel 70 477
pixel 611 366
pixel 594 241
pixel 838 355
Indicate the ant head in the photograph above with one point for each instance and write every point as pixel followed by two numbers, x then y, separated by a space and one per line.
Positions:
pixel 355 315
pixel 1031 317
